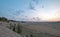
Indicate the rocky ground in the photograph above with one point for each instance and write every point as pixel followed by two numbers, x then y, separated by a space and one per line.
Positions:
pixel 5 32
pixel 31 29
pixel 42 29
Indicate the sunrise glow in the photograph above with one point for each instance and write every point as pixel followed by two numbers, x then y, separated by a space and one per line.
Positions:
pixel 31 10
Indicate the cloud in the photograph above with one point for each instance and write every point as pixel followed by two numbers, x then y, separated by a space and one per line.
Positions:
pixel 36 19
pixel 31 12
pixel 36 1
pixel 38 12
pixel 31 7
pixel 33 4
pixel 19 12
pixel 12 13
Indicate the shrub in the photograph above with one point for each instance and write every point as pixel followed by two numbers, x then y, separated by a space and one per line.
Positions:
pixel 3 19
pixel 14 27
pixel 10 26
pixel 19 30
pixel 31 35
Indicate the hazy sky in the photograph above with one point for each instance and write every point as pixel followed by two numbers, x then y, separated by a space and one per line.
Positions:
pixel 30 10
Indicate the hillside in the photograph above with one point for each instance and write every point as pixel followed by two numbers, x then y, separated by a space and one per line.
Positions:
pixel 4 32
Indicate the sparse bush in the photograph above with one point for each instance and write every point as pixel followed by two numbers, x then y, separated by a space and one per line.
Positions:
pixel 57 36
pixel 14 27
pixel 31 35
pixel 26 35
pixel 19 30
pixel 10 26
pixel 3 19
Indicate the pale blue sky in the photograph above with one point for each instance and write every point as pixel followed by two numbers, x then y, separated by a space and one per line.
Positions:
pixel 30 10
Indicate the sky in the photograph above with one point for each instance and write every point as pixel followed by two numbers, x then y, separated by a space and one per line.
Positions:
pixel 30 10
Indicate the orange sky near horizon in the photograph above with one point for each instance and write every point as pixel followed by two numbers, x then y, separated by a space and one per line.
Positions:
pixel 54 19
